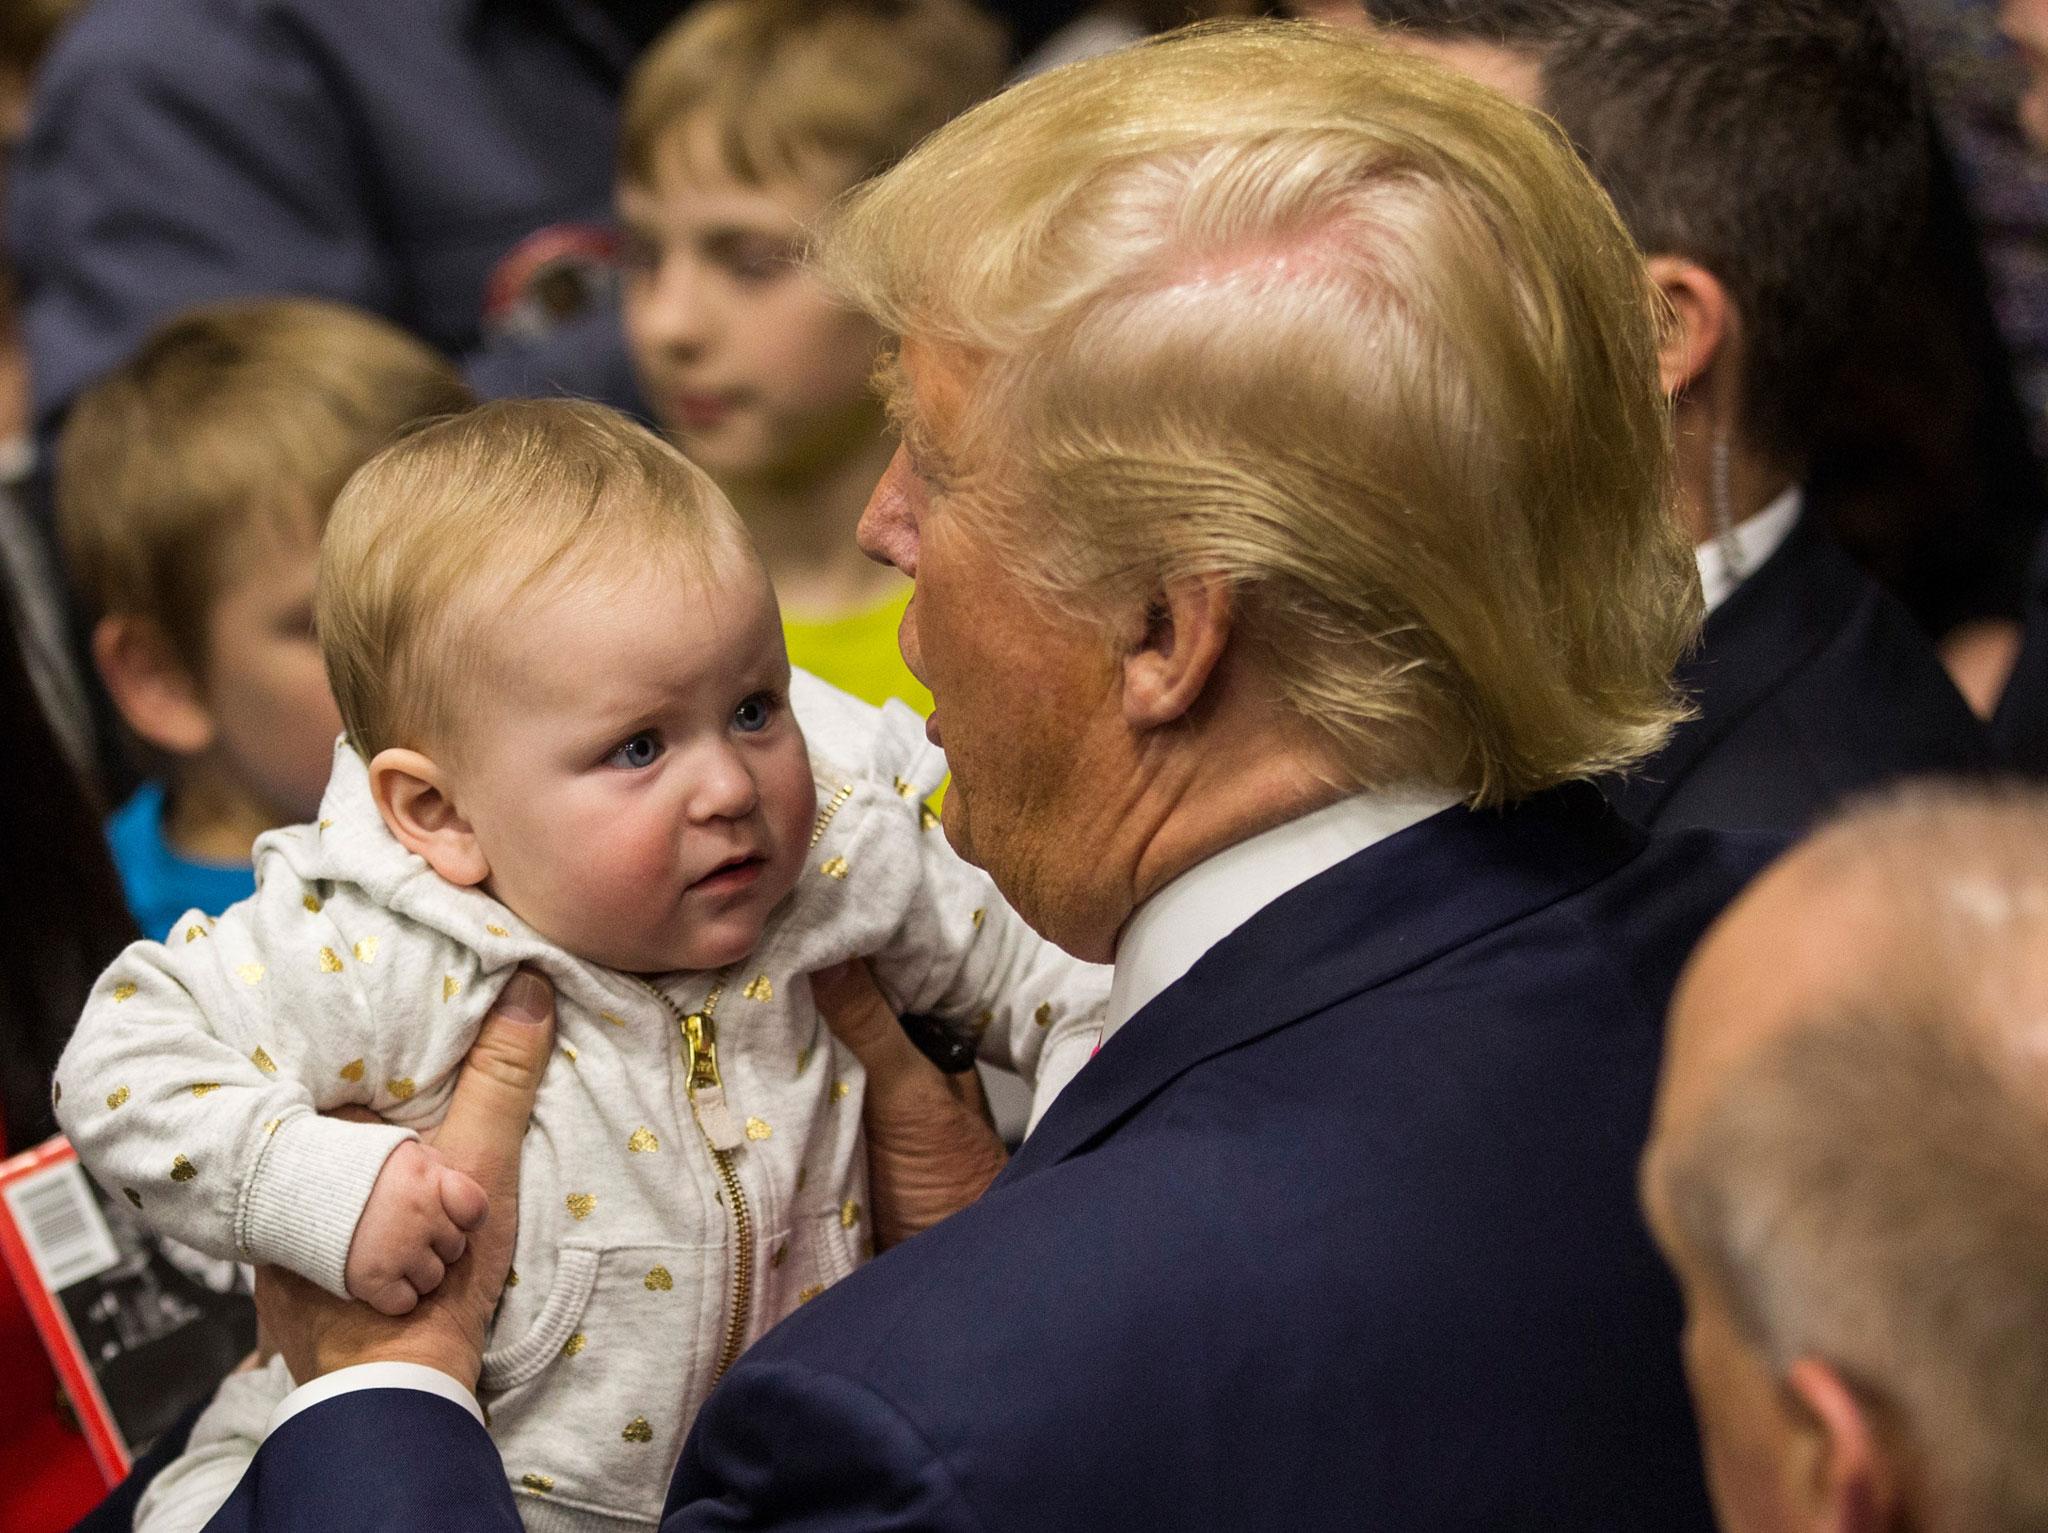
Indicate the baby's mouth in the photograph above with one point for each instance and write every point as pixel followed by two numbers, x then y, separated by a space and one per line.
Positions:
pixel 733 874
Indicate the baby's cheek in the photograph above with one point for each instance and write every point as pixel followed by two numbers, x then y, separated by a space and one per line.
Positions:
pixel 790 796
pixel 607 874
pixel 634 864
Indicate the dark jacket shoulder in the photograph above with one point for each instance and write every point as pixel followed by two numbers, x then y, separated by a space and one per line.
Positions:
pixel 1812 683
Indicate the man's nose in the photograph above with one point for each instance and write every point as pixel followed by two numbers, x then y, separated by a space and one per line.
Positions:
pixel 888 528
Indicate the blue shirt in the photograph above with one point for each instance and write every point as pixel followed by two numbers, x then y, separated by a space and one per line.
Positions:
pixel 391 156
pixel 161 885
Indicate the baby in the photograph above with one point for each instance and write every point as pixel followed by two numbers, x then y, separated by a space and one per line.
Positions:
pixel 573 742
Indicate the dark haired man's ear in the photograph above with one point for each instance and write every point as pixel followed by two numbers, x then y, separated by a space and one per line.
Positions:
pixel 157 694
pixel 1186 627
pixel 410 793
pixel 1846 1477
pixel 1702 322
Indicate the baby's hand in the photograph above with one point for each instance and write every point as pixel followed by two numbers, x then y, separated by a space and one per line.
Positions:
pixel 413 1226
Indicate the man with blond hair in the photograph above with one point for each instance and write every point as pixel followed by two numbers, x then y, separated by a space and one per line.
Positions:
pixel 1849 1171
pixel 1284 482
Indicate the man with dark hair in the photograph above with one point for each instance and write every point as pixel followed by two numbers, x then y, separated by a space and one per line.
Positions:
pixel 1769 158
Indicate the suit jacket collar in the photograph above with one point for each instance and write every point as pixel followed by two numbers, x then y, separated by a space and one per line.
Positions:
pixel 1773 625
pixel 1391 908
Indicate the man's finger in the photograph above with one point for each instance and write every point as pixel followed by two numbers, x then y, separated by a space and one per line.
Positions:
pixel 494 1095
pixel 861 1017
pixel 967 1087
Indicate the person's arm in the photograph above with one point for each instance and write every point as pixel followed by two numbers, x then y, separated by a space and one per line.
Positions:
pixel 957 951
pixel 931 1147
pixel 379 1460
pixel 176 164
pixel 964 954
pixel 415 1457
pixel 191 1084
pixel 216 154
pixel 782 1446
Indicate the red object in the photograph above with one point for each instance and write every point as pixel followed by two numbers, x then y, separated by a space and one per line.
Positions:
pixel 48 1476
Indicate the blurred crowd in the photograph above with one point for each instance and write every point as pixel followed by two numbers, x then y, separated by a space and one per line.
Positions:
pixel 1478 567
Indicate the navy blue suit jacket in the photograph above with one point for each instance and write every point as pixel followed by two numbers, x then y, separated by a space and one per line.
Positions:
pixel 1812 683
pixel 2022 721
pixel 1339 1232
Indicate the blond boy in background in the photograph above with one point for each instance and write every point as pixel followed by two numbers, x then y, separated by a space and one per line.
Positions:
pixel 741 125
pixel 194 481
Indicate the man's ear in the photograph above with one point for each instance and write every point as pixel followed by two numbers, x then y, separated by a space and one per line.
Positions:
pixel 1844 1472
pixel 151 685
pixel 411 794
pixel 1703 321
pixel 1166 670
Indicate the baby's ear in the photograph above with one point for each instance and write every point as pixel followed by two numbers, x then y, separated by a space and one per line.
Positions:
pixel 411 794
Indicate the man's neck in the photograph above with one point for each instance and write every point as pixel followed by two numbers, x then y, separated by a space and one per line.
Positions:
pixel 1174 927
pixel 1211 816
pixel 803 526
pixel 1754 480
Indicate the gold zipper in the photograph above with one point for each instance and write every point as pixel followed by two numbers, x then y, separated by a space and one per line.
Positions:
pixel 832 806
pixel 707 1097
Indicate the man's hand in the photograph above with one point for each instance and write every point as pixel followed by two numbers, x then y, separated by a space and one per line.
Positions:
pixel 415 1225
pixel 931 1147
pixel 480 1138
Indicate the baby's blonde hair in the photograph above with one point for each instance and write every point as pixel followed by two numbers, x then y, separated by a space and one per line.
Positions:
pixel 458 520
pixel 1275 305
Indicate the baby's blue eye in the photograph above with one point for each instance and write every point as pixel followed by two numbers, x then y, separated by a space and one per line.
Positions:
pixel 752 716
pixel 643 750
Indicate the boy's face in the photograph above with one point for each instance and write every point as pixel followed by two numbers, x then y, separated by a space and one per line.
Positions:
pixel 264 687
pixel 632 772
pixel 750 365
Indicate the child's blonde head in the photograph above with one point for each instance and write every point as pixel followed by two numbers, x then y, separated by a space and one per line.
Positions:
pixel 233 419
pixel 460 520
pixel 785 86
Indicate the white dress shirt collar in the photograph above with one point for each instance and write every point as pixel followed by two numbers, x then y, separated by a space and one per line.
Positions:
pixel 1756 539
pixel 1214 898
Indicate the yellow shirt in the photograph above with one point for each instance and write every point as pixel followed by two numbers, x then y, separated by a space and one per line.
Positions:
pixel 858 654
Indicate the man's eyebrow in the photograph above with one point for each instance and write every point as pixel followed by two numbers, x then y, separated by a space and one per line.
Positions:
pixel 899 401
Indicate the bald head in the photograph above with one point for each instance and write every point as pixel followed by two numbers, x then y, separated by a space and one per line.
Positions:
pixel 1849 1169
pixel 1931 902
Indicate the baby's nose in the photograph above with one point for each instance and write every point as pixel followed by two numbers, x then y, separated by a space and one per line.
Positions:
pixel 724 789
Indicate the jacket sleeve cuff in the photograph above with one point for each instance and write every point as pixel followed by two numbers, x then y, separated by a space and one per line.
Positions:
pixel 345 1381
pixel 312 1178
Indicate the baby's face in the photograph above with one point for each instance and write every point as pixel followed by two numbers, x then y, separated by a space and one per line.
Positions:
pixel 632 772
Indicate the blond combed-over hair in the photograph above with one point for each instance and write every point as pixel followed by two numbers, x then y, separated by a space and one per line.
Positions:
pixel 784 85
pixel 1271 304
pixel 232 420
pixel 451 526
